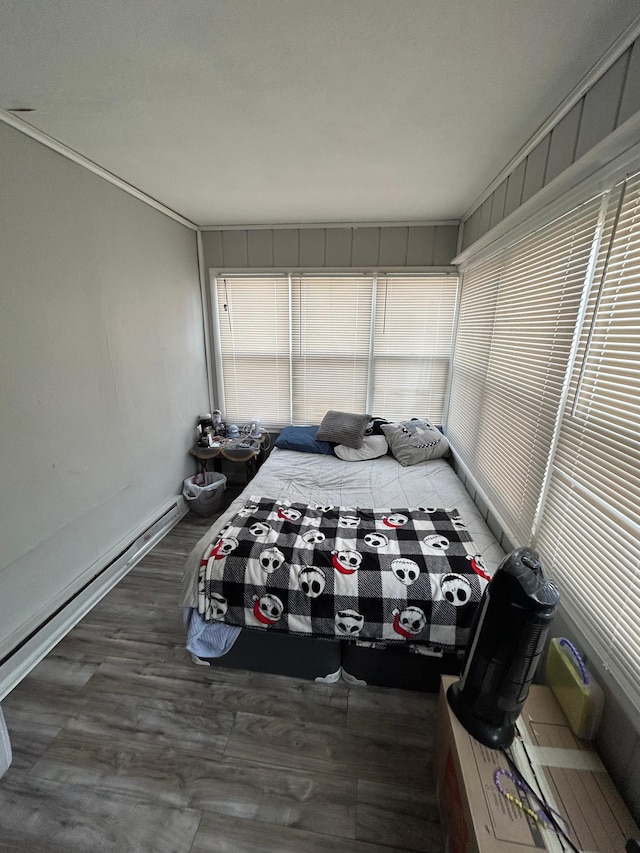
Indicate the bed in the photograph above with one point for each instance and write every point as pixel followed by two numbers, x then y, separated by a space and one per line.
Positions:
pixel 372 603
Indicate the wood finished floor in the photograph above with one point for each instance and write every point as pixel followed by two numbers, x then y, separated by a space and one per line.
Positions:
pixel 121 744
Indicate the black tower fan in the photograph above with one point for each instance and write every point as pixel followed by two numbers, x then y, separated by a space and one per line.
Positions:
pixel 505 644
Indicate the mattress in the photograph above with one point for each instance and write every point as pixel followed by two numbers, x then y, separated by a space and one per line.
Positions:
pixel 376 484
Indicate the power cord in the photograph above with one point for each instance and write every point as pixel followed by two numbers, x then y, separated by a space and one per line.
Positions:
pixel 545 813
pixel 250 439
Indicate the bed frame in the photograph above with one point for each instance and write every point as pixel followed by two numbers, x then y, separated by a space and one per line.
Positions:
pixel 331 660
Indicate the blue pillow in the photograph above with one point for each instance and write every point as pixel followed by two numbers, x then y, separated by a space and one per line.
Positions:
pixel 302 439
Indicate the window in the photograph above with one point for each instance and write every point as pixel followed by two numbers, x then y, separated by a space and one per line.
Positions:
pixel 291 347
pixel 517 318
pixel 589 526
pixel 412 346
pixel 254 348
pixel 545 414
pixel 331 323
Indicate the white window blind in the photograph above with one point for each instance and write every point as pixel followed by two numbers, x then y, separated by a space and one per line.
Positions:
pixel 289 348
pixel 589 526
pixel 254 348
pixel 476 315
pixel 331 335
pixel 515 329
pixel 413 328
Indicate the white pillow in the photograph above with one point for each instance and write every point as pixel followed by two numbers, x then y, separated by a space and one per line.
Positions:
pixel 372 447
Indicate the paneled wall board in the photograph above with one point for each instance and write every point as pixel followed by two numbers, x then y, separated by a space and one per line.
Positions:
pixel 562 147
pixel 485 214
pixel 285 248
pixel 234 249
pixel 535 169
pixel 514 191
pixel 212 249
pixel 312 247
pixel 420 245
pixel 393 246
pixel 611 101
pixel 445 245
pixel 471 229
pixel 260 248
pixel 365 247
pixel 630 103
pixel 497 207
pixel 336 247
pixel 601 106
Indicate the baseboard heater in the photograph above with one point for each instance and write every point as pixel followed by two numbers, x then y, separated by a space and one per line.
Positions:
pixel 40 641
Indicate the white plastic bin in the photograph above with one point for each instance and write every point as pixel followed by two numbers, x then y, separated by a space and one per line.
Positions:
pixel 204 492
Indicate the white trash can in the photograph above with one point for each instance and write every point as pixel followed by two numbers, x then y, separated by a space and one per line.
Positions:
pixel 204 492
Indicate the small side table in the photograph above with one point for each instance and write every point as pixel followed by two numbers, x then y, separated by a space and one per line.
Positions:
pixel 233 449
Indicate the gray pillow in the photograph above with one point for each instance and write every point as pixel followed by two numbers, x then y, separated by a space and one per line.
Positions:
pixel 372 447
pixel 343 428
pixel 415 441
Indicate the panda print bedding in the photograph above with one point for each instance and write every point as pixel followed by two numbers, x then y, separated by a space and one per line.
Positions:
pixel 391 577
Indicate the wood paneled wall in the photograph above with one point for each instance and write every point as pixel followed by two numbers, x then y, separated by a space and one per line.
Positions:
pixel 613 99
pixel 338 247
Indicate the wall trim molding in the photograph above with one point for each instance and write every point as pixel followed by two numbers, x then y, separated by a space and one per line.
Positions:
pixel 205 300
pixel 497 525
pixel 608 58
pixel 104 575
pixel 427 223
pixel 27 129
pixel 338 271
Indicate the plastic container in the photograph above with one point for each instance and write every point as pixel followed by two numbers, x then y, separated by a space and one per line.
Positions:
pixel 204 492
pixel 574 687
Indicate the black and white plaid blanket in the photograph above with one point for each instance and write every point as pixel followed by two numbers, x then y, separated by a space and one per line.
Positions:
pixel 389 576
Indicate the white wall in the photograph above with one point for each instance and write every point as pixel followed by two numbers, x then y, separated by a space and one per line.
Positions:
pixel 102 372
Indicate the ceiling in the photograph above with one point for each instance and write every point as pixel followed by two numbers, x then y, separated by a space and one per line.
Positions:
pixel 237 112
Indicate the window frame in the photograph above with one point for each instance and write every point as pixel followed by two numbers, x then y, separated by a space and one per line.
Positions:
pixel 600 650
pixel 445 280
